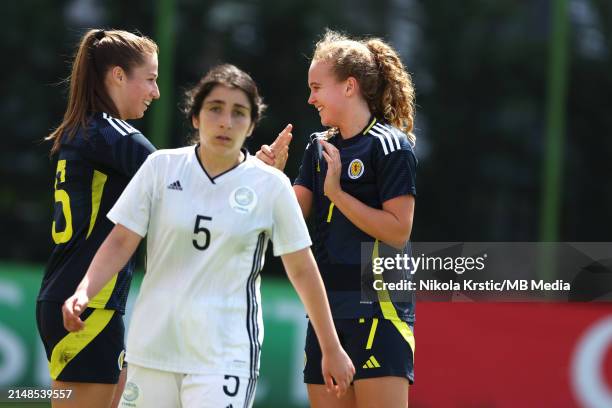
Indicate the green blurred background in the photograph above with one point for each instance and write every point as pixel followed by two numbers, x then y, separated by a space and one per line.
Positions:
pixel 513 124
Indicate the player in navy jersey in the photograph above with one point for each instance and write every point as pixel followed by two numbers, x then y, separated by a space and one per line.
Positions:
pixel 357 180
pixel 97 152
pixel 208 211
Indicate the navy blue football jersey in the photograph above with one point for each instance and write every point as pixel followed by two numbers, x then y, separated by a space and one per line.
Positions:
pixel 93 168
pixel 378 164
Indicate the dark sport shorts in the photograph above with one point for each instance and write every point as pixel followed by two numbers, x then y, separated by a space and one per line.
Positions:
pixel 93 355
pixel 377 347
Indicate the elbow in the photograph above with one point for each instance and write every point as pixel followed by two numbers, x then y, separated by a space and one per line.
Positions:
pixel 399 239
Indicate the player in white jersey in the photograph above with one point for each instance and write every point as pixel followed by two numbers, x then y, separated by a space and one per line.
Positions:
pixel 209 211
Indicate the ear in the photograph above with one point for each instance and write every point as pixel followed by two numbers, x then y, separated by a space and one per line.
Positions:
pixel 195 122
pixel 351 87
pixel 117 74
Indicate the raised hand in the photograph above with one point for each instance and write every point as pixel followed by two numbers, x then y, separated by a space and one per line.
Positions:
pixel 331 185
pixel 278 152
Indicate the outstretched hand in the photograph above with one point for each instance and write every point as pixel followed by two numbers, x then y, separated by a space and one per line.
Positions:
pixel 278 152
pixel 337 367
pixel 72 309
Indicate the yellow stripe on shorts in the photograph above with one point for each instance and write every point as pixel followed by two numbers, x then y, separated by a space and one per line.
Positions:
pixel 388 309
pixel 74 342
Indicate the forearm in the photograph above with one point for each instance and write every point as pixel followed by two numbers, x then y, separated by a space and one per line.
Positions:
pixel 114 253
pixel 378 223
pixel 307 282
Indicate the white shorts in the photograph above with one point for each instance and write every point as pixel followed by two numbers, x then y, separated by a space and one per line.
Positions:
pixel 146 387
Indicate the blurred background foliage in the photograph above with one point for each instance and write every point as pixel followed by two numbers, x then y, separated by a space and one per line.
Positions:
pixel 480 69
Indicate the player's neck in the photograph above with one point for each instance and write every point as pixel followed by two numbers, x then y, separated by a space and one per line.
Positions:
pixel 215 164
pixel 355 121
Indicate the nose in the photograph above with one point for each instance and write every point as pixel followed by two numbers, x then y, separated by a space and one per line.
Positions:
pixel 225 120
pixel 311 99
pixel 156 93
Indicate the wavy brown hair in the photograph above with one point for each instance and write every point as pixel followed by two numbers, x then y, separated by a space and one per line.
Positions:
pixel 385 83
pixel 99 51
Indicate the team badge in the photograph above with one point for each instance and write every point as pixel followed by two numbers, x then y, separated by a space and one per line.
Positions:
pixel 130 393
pixel 355 169
pixel 243 199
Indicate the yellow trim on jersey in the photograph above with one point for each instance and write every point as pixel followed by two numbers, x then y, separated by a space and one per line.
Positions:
pixel 101 299
pixel 372 333
pixel 388 309
pixel 369 126
pixel 73 343
pixel 97 186
pixel 329 214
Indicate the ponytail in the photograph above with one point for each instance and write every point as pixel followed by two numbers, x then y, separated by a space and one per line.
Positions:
pixel 395 96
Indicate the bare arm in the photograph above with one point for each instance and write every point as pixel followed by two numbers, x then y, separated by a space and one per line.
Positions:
pixel 114 253
pixel 392 224
pixel 304 275
pixel 304 197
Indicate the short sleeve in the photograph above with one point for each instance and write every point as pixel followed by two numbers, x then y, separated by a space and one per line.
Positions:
pixel 289 231
pixel 395 172
pixel 306 173
pixel 133 208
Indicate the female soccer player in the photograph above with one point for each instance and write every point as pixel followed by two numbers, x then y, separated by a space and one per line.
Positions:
pixel 209 211
pixel 113 79
pixel 359 178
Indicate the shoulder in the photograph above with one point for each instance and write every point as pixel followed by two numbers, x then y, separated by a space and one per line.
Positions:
pixel 171 154
pixel 389 139
pixel 163 158
pixel 271 174
pixel 112 128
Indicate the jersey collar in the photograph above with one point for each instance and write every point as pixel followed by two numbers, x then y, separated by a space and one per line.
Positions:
pixel 216 178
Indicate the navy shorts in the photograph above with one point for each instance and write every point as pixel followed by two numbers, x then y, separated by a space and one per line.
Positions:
pixel 92 355
pixel 377 347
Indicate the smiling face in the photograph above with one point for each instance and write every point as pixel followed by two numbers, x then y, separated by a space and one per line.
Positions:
pixel 224 121
pixel 327 94
pixel 135 91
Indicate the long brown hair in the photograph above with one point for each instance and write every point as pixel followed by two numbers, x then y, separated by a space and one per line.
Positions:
pixel 98 52
pixel 383 79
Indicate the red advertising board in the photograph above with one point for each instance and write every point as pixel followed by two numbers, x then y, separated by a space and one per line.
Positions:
pixel 513 355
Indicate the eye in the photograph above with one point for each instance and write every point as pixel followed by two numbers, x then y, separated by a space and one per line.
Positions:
pixel 214 108
pixel 239 113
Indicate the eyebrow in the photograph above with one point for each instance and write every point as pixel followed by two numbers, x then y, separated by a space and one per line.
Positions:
pixel 219 101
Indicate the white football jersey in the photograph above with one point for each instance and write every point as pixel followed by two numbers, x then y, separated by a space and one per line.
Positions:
pixel 199 309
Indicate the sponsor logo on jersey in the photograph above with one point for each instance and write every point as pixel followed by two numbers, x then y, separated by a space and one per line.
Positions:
pixel 243 199
pixel 355 169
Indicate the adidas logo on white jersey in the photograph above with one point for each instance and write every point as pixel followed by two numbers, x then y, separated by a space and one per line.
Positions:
pixel 175 186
